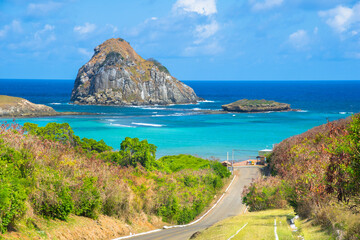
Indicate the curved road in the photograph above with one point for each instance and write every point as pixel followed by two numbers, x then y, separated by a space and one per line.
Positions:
pixel 230 205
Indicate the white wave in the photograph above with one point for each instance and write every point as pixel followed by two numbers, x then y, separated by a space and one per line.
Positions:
pixel 196 109
pixel 303 111
pixel 147 124
pixel 121 125
pixel 55 103
pixel 159 115
pixel 342 112
pixel 110 120
pixel 153 108
pixel 207 101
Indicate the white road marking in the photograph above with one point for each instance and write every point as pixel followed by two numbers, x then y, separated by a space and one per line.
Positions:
pixel 237 231
pixel 180 226
pixel 276 236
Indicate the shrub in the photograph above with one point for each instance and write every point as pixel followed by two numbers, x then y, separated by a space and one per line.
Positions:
pixel 88 203
pixel 53 197
pixel 12 195
pixel 265 194
pixel 161 67
pixel 133 152
pixel 93 145
pixel 64 134
pixel 170 210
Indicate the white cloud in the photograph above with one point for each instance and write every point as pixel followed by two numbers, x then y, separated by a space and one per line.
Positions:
pixel 39 40
pixel 47 28
pixel 341 18
pixel 42 8
pixel 112 28
pixel 85 52
pixel 201 7
pixel 299 39
pixel 210 49
pixel 87 28
pixel 203 32
pixel 266 4
pixel 316 30
pixel 14 26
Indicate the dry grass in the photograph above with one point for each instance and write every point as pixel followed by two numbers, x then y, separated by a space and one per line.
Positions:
pixel 260 225
pixel 6 100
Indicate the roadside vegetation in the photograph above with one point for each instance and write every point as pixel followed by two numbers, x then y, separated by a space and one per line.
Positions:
pixel 50 173
pixel 318 174
pixel 260 225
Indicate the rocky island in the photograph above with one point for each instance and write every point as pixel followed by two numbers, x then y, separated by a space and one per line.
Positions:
pixel 14 107
pixel 117 75
pixel 248 106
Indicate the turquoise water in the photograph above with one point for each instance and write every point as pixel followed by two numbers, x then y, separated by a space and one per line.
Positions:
pixel 180 129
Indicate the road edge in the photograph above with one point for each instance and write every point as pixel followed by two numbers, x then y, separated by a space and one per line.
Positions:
pixel 180 226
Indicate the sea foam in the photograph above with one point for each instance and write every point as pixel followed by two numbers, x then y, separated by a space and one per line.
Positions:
pixel 147 124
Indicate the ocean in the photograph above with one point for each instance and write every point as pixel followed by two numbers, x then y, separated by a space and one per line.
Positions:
pixel 179 129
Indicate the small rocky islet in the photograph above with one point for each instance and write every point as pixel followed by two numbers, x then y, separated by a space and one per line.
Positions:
pixel 116 75
pixel 256 106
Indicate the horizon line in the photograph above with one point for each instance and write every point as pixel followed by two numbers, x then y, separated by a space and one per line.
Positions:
pixel 210 80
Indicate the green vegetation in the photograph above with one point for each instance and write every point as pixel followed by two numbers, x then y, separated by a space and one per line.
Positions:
pixel 50 173
pixel 260 225
pixel 64 134
pixel 246 102
pixel 161 67
pixel 318 174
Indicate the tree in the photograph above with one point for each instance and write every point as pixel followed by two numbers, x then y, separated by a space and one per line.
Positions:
pixel 133 151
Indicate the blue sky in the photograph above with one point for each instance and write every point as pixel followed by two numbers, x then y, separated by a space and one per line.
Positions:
pixel 194 39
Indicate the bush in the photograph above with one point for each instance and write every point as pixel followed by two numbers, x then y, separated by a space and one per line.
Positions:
pixel 161 67
pixel 265 194
pixel 170 210
pixel 64 134
pixel 180 162
pixel 54 131
pixel 53 197
pixel 12 195
pixel 93 145
pixel 133 152
pixel 89 202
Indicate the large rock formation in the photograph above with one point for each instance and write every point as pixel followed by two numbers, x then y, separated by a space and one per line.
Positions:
pixel 117 75
pixel 246 105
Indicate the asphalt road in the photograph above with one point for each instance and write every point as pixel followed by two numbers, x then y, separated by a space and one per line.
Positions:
pixel 230 205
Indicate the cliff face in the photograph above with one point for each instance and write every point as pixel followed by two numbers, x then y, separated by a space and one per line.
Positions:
pixel 246 105
pixel 19 107
pixel 117 75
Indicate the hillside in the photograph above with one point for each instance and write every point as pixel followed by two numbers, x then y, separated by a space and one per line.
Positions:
pixel 15 107
pixel 56 185
pixel 318 174
pixel 117 75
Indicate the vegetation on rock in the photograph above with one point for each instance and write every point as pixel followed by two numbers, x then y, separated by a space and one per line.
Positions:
pixel 246 105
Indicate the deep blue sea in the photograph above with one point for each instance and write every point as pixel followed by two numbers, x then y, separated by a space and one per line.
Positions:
pixel 179 129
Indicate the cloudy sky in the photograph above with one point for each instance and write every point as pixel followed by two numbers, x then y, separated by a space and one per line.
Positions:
pixel 195 39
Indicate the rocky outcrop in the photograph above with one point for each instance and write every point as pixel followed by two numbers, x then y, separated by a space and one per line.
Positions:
pixel 15 107
pixel 248 106
pixel 117 75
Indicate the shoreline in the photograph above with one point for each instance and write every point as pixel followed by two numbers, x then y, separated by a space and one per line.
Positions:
pixel 57 114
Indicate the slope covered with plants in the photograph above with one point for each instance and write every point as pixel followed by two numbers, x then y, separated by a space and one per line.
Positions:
pixel 317 173
pixel 50 173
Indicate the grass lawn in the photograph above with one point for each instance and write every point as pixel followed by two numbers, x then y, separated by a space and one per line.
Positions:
pixel 260 225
